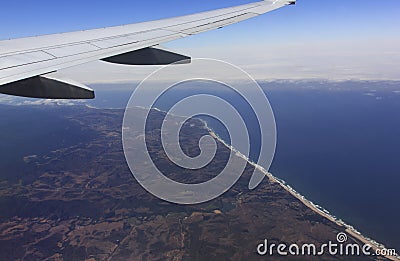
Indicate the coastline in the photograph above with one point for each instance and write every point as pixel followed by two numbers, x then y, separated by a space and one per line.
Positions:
pixel 350 230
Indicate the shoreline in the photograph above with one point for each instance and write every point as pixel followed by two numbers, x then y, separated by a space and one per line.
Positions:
pixel 350 230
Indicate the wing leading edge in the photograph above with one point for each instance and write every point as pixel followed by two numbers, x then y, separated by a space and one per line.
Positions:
pixel 25 63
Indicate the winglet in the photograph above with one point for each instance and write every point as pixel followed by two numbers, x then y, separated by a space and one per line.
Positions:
pixel 291 2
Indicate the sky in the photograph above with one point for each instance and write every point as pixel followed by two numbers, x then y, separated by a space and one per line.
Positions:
pixel 315 39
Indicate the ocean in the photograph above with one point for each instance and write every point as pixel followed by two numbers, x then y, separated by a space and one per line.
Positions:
pixel 338 144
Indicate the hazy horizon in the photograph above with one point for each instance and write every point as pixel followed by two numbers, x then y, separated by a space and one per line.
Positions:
pixel 314 39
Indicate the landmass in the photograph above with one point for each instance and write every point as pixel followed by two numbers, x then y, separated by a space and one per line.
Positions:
pixel 81 202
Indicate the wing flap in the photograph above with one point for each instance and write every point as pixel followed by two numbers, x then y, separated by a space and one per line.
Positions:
pixel 131 38
pixel 20 59
pixel 75 49
pixel 12 74
pixel 201 26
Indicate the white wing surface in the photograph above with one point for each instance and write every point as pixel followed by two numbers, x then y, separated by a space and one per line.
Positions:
pixel 25 64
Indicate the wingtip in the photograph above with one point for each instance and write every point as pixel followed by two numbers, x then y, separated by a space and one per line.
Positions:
pixel 291 2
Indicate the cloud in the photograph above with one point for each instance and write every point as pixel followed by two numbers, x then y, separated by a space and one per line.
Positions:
pixel 336 60
pixel 13 100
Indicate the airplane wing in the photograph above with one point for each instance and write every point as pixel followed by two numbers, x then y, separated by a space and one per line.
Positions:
pixel 27 64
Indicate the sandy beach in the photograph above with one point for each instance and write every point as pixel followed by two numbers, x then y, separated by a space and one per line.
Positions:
pixel 350 230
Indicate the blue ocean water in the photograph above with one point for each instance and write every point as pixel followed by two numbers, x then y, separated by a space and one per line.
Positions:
pixel 341 150
pixel 339 146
